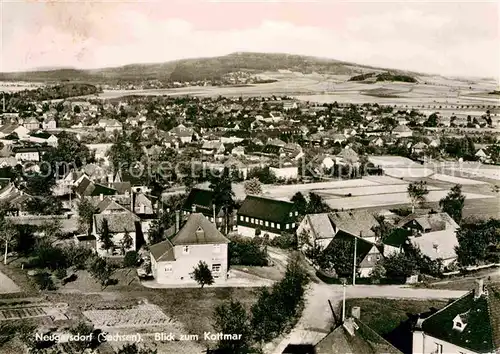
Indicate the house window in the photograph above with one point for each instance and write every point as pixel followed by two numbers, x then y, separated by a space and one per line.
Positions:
pixel 272 225
pixel 378 257
pixel 293 225
pixel 278 226
pixel 287 226
pixel 246 219
pixel 241 217
pixel 252 220
pixel 290 214
pixel 369 258
pixel 216 270
pixel 261 222
pixel 439 348
pixel 296 213
pixel 185 250
pixel 168 268
pixel 267 223
pixel 216 248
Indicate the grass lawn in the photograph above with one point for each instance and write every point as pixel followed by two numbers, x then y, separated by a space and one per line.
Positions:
pixel 194 307
pixel 463 284
pixel 388 317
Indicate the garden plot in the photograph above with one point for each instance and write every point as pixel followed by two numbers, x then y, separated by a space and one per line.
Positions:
pixel 141 316
pixel 55 312
pixel 368 201
pixel 455 180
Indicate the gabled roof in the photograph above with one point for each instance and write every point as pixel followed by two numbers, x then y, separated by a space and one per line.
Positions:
pixel 321 226
pixel 109 205
pixel 482 332
pixel 198 230
pixel 435 221
pixel 201 198
pixel 266 209
pixel 401 129
pixel 354 337
pixel 355 222
pixel 117 222
pixel 163 251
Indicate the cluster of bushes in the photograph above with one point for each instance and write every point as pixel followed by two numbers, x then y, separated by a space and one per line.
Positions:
pixel 284 241
pixel 248 252
pixel 53 260
pixel 274 313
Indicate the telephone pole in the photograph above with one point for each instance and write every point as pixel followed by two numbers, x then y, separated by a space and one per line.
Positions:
pixel 343 301
pixel 354 263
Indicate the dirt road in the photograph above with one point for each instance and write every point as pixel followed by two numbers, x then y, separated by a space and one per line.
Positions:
pixel 317 317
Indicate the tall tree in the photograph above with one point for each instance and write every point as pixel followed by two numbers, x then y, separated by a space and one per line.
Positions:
pixel 300 203
pixel 6 234
pixel 478 242
pixel 316 204
pixel 252 186
pixel 453 203
pixel 126 242
pixel 203 275
pixel 417 192
pixel 86 213
pixel 223 195
pixel 232 317
pixel 105 236
pixel 100 270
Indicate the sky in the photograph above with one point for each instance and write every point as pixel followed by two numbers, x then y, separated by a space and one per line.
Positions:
pixel 448 38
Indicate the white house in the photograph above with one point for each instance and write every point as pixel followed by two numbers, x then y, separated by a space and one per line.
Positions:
pixel 434 234
pixel 120 223
pixel 468 325
pixel 173 261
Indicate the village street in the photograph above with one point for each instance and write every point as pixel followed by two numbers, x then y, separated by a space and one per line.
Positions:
pixel 317 319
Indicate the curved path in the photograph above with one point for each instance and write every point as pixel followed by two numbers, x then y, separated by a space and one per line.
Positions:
pixel 316 319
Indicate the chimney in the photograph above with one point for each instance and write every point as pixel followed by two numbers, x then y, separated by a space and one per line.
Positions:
pixel 356 312
pixel 177 221
pixel 479 290
pixel 193 208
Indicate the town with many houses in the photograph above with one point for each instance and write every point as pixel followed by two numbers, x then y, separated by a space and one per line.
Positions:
pixel 157 224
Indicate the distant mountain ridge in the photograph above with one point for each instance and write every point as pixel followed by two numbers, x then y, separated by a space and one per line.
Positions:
pixel 197 69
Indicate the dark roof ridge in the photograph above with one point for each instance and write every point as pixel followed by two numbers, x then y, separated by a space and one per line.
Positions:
pixel 448 305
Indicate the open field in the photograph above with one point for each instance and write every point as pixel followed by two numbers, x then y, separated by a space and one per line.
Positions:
pixel 321 88
pixel 370 190
pixel 391 161
pixel 367 201
pixel 456 180
pixel 408 172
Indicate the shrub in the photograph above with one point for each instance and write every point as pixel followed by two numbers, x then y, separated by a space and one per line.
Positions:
pixel 44 281
pixel 131 258
pixel 284 241
pixel 247 252
pixel 61 273
pixel 78 256
pixel 279 307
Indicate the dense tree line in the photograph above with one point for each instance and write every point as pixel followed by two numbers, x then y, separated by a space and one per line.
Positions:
pixel 274 312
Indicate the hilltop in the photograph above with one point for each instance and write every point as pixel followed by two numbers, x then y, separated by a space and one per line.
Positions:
pixel 196 69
